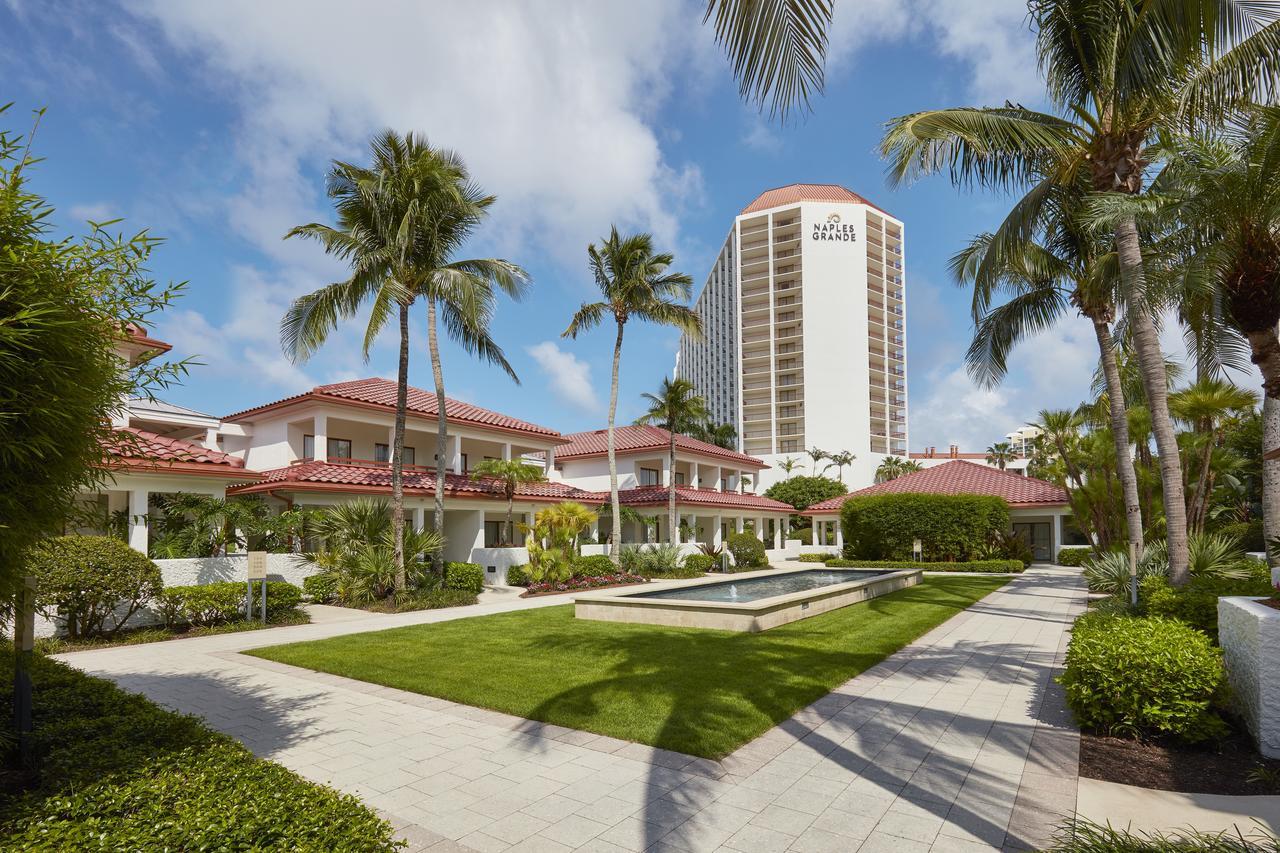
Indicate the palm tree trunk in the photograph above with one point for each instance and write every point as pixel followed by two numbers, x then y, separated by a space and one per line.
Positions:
pixel 1200 497
pixel 1156 383
pixel 1265 346
pixel 397 450
pixel 511 530
pixel 615 547
pixel 674 532
pixel 1120 434
pixel 442 430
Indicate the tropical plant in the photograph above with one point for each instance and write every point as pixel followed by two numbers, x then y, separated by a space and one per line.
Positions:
pixel 1000 454
pixel 192 525
pixel 678 409
pixel 1205 405
pixel 788 464
pixel 400 220
pixel 356 546
pixel 817 455
pixel 721 435
pixel 512 474
pixel 839 460
pixel 92 584
pixel 552 541
pixel 893 467
pixel 803 492
pixel 636 284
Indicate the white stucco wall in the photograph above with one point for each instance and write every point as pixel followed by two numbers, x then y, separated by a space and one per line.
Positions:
pixel 1249 633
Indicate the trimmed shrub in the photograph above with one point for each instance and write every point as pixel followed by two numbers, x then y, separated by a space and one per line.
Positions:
pixel 803 492
pixel 1197 602
pixel 517 576
pixel 949 527
pixel 468 577
pixel 322 588
pixel 282 597
pixel 804 534
pixel 985 566
pixel 1247 533
pixel 94 583
pixel 117 772
pixel 594 566
pixel 206 604
pixel 1130 677
pixel 747 551
pixel 1073 557
pixel 816 558
pixel 701 563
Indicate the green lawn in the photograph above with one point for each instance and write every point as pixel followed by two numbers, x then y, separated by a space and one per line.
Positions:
pixel 696 691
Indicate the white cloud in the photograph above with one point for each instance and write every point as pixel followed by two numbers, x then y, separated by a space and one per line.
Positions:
pixel 98 211
pixel 568 376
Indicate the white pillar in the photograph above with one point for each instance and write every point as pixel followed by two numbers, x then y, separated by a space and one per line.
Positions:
pixel 738 524
pixel 453 447
pixel 819 532
pixel 1056 542
pixel 839 537
pixel 760 531
pixel 551 463
pixel 777 533
pixel 667 474
pixel 419 518
pixel 506 451
pixel 715 482
pixel 716 538
pixel 138 504
pixel 320 439
pixel 211 438
pixel 694 480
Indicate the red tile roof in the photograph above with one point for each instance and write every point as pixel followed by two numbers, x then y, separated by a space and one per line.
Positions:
pixel 376 479
pixel 139 336
pixel 956 478
pixel 796 193
pixel 636 438
pixel 381 394
pixel 139 449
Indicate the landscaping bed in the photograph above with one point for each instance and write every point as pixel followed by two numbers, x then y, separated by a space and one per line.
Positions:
pixel 158 634
pixel 697 691
pixel 581 584
pixel 1231 765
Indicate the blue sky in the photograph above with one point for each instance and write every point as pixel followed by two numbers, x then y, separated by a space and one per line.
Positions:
pixel 212 125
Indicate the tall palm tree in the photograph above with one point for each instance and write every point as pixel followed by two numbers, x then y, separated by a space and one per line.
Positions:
pixel 383 232
pixel 1203 406
pixel 840 459
pixel 721 435
pixel 817 455
pixel 1120 72
pixel 1000 454
pixel 893 467
pixel 636 284
pixel 677 408
pixel 788 465
pixel 512 474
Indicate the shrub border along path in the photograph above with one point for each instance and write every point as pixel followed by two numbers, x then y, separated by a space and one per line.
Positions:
pixel 957 741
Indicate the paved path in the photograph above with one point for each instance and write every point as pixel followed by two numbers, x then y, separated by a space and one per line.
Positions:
pixel 959 742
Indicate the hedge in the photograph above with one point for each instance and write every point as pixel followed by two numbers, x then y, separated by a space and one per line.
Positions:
pixel 816 558
pixel 210 604
pixel 1073 557
pixel 92 583
pixel 949 527
pixel 747 550
pixel 1197 603
pixel 700 563
pixel 594 566
pixel 518 575
pixel 803 492
pixel 803 534
pixel 117 772
pixel 322 587
pixel 985 566
pixel 1248 533
pixel 468 577
pixel 1130 677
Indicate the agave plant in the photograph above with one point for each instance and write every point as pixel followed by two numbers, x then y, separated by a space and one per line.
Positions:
pixel 1209 555
pixel 1109 573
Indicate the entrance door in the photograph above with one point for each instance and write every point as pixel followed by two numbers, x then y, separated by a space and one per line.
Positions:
pixel 1037 535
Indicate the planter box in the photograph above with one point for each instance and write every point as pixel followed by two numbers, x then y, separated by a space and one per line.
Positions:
pixel 1249 633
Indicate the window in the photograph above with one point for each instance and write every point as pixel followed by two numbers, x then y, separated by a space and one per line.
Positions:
pixel 494 533
pixel 679 478
pixel 786 364
pixel 786 411
pixel 338 448
pixel 650 477
pixel 382 453
pixel 786 316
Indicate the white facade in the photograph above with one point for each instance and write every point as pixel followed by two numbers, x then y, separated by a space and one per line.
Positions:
pixel 804 318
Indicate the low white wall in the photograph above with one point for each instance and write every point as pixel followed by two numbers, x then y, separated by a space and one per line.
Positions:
pixel 1249 633
pixel 496 561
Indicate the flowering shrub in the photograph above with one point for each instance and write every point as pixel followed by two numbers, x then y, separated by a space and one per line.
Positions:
pixel 580 582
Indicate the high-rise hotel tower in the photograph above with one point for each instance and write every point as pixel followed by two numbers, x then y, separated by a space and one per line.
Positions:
pixel 804 319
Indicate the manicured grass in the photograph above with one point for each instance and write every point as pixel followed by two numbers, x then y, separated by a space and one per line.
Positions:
pixel 696 691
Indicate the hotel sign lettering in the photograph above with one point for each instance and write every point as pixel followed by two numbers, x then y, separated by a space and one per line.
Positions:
pixel 833 230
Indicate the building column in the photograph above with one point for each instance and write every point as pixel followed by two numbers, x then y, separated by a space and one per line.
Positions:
pixel 320 437
pixel 839 537
pixel 419 518
pixel 761 533
pixel 715 483
pixel 506 451
pixel 819 532
pixel 1055 541
pixel 739 524
pixel 666 474
pixel 138 506
pixel 777 533
pixel 694 480
pixel 551 463
pixel 211 438
pixel 453 447
pixel 716 522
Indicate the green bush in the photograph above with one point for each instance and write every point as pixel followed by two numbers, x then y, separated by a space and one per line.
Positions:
pixel 1073 557
pixel 701 563
pixel 1109 573
pixel 816 558
pixel 747 551
pixel 949 527
pixel 803 492
pixel 517 576
pixel 204 604
pixel 322 587
pixel 1130 677
pixel 1247 533
pixel 424 599
pixel 594 566
pixel 93 583
pixel 804 534
pixel 282 598
pixel 1197 602
pixel 653 561
pixel 985 566
pixel 117 772
pixel 464 576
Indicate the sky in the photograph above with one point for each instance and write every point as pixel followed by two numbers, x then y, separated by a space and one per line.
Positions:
pixel 213 124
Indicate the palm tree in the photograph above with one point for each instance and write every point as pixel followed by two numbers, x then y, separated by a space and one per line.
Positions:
pixel 893 467
pixel 677 408
pixel 1203 406
pixel 1120 72
pixel 1000 454
pixel 840 459
pixel 512 474
pixel 383 231
pixel 636 284
pixel 817 456
pixel 721 435
pixel 788 465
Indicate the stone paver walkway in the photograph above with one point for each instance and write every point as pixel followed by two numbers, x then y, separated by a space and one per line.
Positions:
pixel 959 742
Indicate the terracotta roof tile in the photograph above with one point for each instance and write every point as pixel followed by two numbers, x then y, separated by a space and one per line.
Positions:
pixel 956 478
pixel 689 496
pixel 796 193
pixel 636 438
pixel 142 449
pixel 382 393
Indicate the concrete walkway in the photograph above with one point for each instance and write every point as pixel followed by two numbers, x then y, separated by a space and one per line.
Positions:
pixel 959 742
pixel 1148 810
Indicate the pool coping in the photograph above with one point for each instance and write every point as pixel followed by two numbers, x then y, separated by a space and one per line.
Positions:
pixel 751 616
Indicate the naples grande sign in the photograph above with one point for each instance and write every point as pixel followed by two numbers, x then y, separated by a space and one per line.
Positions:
pixel 833 230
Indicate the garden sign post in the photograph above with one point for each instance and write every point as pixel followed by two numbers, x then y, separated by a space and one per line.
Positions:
pixel 24 638
pixel 257 572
